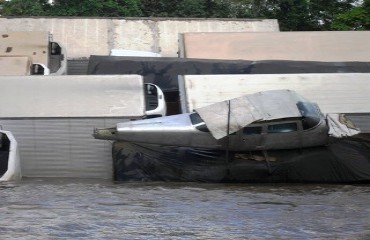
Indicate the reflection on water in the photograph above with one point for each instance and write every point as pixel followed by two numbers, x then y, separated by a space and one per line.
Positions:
pixel 81 209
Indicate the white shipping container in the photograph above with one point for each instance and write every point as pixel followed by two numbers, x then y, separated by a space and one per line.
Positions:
pixel 335 93
pixel 53 119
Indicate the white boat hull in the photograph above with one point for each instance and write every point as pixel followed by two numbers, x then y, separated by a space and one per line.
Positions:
pixel 13 171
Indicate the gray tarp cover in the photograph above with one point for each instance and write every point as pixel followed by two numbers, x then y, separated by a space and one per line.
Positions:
pixel 340 126
pixel 342 161
pixel 267 105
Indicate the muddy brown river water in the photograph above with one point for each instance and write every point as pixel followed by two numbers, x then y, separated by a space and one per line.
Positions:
pixel 92 209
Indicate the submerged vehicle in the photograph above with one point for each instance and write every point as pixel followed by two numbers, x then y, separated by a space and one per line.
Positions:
pixel 270 120
pixel 9 157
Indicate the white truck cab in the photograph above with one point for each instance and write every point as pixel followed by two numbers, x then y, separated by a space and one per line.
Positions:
pixel 154 101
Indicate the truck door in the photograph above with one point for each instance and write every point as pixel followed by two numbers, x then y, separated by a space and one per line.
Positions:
pixel 252 137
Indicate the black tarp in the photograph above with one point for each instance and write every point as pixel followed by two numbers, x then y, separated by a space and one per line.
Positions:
pixel 164 71
pixel 342 161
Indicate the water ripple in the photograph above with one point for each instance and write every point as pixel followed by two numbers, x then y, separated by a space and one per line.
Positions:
pixel 84 209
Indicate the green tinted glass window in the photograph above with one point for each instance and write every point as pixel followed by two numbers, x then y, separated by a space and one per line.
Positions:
pixel 282 128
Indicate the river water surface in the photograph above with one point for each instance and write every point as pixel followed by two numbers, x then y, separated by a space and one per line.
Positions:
pixel 91 209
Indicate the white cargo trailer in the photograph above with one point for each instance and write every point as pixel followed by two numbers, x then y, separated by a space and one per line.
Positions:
pixel 324 46
pixel 53 117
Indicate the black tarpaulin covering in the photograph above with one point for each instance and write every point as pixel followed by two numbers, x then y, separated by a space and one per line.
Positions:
pixel 343 161
pixel 164 71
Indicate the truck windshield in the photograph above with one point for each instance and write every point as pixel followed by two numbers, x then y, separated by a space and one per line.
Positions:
pixel 310 114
